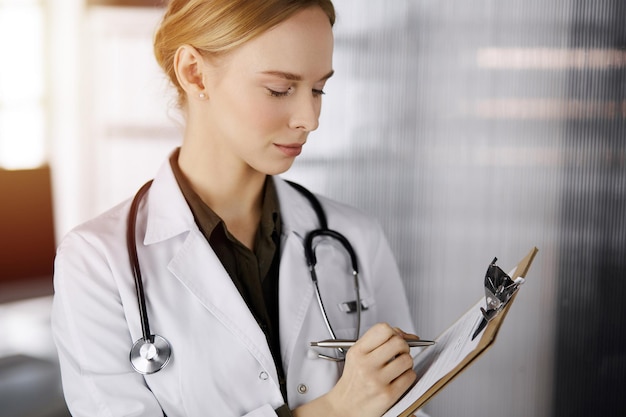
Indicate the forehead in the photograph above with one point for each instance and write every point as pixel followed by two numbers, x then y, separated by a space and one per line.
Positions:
pixel 302 44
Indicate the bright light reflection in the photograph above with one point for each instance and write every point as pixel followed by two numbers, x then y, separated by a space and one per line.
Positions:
pixel 550 58
pixel 21 36
pixel 545 109
pixel 22 125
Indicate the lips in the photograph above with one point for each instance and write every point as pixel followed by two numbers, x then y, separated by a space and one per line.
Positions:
pixel 291 150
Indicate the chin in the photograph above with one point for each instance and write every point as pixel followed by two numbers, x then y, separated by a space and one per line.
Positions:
pixel 279 168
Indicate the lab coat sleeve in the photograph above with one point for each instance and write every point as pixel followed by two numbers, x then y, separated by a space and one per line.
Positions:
pixel 92 337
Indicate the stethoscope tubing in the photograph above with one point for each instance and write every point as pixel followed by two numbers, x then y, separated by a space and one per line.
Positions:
pixel 134 261
pixel 152 352
pixel 311 258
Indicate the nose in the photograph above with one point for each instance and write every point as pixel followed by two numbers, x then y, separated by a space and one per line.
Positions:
pixel 306 112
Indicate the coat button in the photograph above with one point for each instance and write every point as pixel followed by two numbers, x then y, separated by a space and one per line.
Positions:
pixel 302 389
pixel 263 376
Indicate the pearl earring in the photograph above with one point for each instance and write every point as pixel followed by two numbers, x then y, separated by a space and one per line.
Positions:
pixel 202 95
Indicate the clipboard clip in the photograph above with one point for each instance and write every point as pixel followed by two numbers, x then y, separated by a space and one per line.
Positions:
pixel 499 288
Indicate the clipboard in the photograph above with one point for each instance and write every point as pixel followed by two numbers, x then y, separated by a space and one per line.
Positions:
pixel 468 346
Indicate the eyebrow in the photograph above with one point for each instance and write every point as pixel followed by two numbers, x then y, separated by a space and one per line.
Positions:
pixel 294 77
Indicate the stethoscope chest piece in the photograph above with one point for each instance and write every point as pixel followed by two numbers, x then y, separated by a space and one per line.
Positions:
pixel 148 357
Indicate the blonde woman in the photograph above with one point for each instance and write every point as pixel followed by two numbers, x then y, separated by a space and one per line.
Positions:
pixel 220 240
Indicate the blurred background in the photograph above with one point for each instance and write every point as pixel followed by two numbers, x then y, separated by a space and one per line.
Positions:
pixel 472 129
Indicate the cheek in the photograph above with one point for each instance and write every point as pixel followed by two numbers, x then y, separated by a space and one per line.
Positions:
pixel 245 112
pixel 265 113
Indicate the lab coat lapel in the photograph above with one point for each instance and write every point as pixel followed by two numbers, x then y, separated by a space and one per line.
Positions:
pixel 295 289
pixel 197 267
pixel 295 293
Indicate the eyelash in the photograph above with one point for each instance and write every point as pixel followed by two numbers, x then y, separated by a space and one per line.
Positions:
pixel 279 94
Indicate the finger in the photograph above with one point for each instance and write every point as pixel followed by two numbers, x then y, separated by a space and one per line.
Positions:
pixel 405 335
pixel 403 383
pixel 394 346
pixel 376 336
pixel 396 367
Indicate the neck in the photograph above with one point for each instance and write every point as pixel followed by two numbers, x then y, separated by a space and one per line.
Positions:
pixel 235 194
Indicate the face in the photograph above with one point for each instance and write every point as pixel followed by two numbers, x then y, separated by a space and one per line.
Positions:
pixel 264 97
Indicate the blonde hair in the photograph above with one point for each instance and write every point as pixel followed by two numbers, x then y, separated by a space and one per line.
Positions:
pixel 215 27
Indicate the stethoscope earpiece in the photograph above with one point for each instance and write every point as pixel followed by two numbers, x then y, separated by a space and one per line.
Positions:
pixel 148 357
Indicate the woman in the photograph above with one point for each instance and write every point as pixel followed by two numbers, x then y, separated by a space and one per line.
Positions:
pixel 220 243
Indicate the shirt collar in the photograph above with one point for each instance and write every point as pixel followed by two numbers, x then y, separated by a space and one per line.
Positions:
pixel 207 220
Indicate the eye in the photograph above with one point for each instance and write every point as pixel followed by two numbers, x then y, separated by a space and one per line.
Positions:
pixel 275 93
pixel 318 93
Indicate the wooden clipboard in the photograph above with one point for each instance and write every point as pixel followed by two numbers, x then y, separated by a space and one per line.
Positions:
pixel 486 340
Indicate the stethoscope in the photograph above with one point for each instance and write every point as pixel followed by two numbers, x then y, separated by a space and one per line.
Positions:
pixel 152 352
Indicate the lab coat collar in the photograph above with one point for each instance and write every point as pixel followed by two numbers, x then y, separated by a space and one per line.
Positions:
pixel 165 198
pixel 297 214
pixel 168 212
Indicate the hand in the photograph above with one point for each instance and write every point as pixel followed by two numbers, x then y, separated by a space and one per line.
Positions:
pixel 405 335
pixel 377 371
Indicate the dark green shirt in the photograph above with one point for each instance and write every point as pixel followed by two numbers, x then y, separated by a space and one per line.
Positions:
pixel 254 272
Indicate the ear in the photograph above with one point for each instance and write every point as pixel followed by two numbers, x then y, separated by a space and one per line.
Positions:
pixel 189 66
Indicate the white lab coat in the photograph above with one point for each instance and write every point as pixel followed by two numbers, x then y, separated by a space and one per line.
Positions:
pixel 221 364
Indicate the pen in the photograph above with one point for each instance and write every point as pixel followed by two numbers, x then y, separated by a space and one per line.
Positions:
pixel 346 343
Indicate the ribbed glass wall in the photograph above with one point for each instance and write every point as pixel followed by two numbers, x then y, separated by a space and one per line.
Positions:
pixel 475 129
